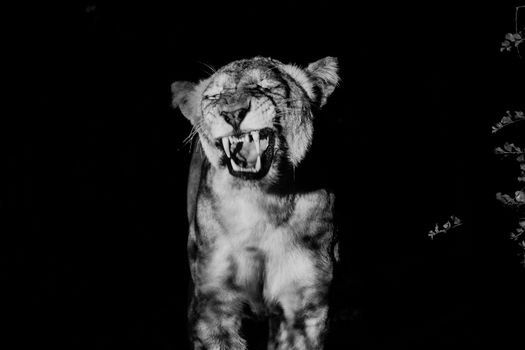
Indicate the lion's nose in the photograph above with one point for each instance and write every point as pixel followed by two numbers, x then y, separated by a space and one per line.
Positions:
pixel 234 117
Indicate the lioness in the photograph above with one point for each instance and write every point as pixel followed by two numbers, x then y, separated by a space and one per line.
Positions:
pixel 254 241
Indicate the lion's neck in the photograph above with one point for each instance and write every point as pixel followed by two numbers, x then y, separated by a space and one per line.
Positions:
pixel 224 186
pixel 242 205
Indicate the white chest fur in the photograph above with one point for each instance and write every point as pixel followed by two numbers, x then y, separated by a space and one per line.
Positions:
pixel 253 246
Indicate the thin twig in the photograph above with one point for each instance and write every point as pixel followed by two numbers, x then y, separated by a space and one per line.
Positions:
pixel 516 26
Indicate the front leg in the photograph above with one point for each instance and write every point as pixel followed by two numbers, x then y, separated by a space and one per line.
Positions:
pixel 215 311
pixel 298 282
pixel 303 323
pixel 215 321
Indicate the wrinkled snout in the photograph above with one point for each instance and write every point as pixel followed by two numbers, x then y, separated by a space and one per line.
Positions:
pixel 233 108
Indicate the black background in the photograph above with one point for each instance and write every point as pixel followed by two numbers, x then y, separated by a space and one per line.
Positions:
pixel 94 203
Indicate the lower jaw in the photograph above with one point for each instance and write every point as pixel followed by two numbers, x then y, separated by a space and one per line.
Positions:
pixel 251 174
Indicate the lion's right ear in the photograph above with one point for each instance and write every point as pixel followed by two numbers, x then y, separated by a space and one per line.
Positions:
pixel 182 95
pixel 325 77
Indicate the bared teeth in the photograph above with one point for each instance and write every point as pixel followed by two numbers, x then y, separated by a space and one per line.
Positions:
pixel 229 142
pixel 235 166
pixel 255 136
pixel 226 146
pixel 238 168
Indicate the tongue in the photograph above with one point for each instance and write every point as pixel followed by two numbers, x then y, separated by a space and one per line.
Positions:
pixel 248 152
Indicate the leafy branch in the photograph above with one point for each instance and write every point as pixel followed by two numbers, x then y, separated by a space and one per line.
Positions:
pixel 509 149
pixel 516 201
pixel 514 40
pixel 450 224
pixel 508 119
pixel 515 235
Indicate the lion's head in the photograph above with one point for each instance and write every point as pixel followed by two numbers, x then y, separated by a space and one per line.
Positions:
pixel 254 116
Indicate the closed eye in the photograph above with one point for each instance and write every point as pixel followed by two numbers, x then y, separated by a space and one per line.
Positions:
pixel 212 97
pixel 276 89
pixel 268 86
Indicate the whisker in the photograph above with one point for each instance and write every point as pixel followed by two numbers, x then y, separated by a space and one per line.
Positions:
pixel 210 67
pixel 194 132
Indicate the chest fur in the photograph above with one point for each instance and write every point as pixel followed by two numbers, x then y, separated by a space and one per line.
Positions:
pixel 246 234
pixel 242 215
pixel 236 222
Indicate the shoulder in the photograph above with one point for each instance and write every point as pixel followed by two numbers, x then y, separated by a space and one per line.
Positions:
pixel 316 201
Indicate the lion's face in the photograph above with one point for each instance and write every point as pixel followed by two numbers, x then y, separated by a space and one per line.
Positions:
pixel 254 117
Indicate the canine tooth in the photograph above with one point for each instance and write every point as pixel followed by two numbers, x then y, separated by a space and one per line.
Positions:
pixel 235 166
pixel 258 164
pixel 226 146
pixel 255 135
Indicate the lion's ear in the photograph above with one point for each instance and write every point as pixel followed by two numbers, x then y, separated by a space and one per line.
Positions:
pixel 324 77
pixel 182 93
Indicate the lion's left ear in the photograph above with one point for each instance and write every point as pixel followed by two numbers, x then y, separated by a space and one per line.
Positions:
pixel 323 74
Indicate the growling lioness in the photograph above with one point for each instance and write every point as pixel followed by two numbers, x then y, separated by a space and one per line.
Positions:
pixel 255 244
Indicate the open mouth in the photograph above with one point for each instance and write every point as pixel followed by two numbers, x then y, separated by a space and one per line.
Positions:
pixel 249 154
